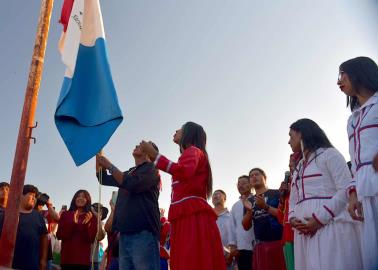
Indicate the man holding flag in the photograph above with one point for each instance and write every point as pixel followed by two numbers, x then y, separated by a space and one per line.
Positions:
pixel 136 215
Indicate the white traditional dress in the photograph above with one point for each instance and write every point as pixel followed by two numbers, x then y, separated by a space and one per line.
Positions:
pixel 318 190
pixel 363 146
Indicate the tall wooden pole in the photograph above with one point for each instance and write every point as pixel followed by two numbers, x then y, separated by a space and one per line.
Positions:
pixel 9 232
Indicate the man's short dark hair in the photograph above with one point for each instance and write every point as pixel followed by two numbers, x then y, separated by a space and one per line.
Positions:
pixel 221 191
pixel 244 176
pixel 259 170
pixel 4 184
pixel 30 189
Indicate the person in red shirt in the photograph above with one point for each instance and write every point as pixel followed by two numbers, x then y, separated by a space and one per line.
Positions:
pixel 195 238
pixel 77 229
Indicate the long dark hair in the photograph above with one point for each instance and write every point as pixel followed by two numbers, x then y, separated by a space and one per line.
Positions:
pixel 194 135
pixel 363 73
pixel 313 136
pixel 87 196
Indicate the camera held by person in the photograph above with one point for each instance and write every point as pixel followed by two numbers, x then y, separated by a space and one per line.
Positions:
pixel 103 209
pixel 50 214
pixel 42 200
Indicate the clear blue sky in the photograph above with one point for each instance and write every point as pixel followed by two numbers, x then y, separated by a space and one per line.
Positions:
pixel 244 69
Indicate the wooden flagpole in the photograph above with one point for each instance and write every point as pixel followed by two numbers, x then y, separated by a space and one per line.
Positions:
pixel 9 232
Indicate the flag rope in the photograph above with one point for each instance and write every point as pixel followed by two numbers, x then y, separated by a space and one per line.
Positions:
pixel 98 219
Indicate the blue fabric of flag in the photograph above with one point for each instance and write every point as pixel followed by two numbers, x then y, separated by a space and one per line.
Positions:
pixel 88 112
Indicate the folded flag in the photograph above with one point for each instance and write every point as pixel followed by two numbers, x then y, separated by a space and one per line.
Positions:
pixel 87 112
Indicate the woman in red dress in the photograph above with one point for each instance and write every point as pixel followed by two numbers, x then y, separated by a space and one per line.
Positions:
pixel 195 239
pixel 77 229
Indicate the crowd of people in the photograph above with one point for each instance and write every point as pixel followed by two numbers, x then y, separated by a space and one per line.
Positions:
pixel 323 216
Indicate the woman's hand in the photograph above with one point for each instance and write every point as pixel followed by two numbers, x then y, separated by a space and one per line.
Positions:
pixel 88 217
pixel 149 150
pixel 355 207
pixel 76 216
pixel 296 223
pixel 310 227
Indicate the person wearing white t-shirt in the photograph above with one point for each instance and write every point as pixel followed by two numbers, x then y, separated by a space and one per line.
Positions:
pixel 241 241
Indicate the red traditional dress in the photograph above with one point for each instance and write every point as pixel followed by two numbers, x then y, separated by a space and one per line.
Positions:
pixel 76 239
pixel 195 238
pixel 287 234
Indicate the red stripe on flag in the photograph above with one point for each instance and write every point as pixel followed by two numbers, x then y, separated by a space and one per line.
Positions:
pixel 66 12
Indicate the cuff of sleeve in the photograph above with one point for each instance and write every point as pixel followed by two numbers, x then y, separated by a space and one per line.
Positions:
pixel 318 220
pixel 324 215
pixel 162 163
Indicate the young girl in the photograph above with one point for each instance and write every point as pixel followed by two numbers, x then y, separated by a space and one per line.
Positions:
pixel 358 79
pixel 324 232
pixel 77 229
pixel 195 239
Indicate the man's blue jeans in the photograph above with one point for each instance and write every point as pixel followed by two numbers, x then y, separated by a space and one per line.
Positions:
pixel 139 251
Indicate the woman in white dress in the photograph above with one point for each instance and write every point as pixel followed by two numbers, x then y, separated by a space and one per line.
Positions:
pixel 358 79
pixel 317 210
